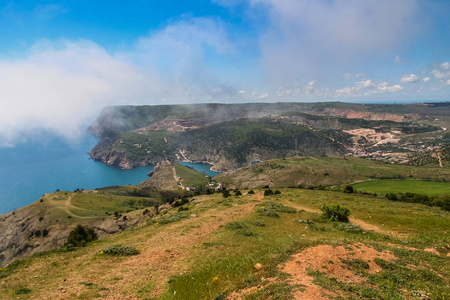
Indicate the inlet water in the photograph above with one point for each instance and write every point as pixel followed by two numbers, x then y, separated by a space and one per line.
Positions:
pixel 31 169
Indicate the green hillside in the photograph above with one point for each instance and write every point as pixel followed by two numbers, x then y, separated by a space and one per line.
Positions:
pixel 325 171
pixel 254 247
pixel 383 187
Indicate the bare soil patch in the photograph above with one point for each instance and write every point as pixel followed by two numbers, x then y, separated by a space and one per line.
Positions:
pixel 328 259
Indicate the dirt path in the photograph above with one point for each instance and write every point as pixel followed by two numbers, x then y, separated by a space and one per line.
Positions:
pixel 67 205
pixel 177 180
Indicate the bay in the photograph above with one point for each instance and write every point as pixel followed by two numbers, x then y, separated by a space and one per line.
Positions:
pixel 33 168
pixel 205 168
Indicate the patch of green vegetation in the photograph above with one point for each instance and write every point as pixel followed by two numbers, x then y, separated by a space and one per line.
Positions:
pixel 21 291
pixel 119 250
pixel 348 227
pixel 355 264
pixel 171 218
pixel 271 209
pixel 382 187
pixel 281 291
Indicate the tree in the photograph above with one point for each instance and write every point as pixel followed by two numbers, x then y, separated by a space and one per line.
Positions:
pixel 80 236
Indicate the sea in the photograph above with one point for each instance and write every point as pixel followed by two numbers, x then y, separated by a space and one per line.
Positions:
pixel 32 168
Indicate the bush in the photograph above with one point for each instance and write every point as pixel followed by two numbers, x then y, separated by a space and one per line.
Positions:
pixel 80 236
pixel 226 193
pixel 334 213
pixel 268 192
pixel 347 227
pixel 120 250
pixel 237 193
pixel 270 209
pixel 251 192
pixel 21 291
pixel 348 189
pixel 392 196
pixel 276 192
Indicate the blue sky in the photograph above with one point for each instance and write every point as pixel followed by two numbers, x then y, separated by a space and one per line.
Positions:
pixel 70 58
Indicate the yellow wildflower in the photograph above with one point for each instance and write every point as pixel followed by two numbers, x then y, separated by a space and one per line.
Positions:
pixel 215 279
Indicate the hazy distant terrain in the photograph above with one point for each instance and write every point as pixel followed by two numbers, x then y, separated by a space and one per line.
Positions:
pixel 231 136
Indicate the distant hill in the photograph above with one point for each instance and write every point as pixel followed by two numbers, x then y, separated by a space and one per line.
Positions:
pixel 231 136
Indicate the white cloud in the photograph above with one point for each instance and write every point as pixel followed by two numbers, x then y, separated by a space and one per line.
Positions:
pixel 350 76
pixel 438 74
pixel 409 78
pixel 346 92
pixel 399 60
pixel 426 79
pixel 61 86
pixel 445 66
pixel 310 38
pixel 258 96
pixel 367 84
pixel 384 87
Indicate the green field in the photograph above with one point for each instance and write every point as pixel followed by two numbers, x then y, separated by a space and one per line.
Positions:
pixel 404 186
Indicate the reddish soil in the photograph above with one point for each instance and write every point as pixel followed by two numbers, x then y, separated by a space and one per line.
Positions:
pixel 327 259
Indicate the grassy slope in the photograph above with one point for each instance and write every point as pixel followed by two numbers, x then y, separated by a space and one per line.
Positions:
pixel 59 212
pixel 324 171
pixel 163 178
pixel 199 256
pixel 404 186
pixel 190 176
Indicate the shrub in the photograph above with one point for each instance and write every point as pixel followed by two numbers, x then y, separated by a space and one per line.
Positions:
pixel 226 193
pixel 334 213
pixel 120 250
pixel 251 192
pixel 237 193
pixel 268 192
pixel 21 291
pixel 348 189
pixel 270 209
pixel 348 227
pixel 37 233
pixel 276 192
pixel 392 196
pixel 80 236
pixel 305 221
pixel 45 232
pixel 236 225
